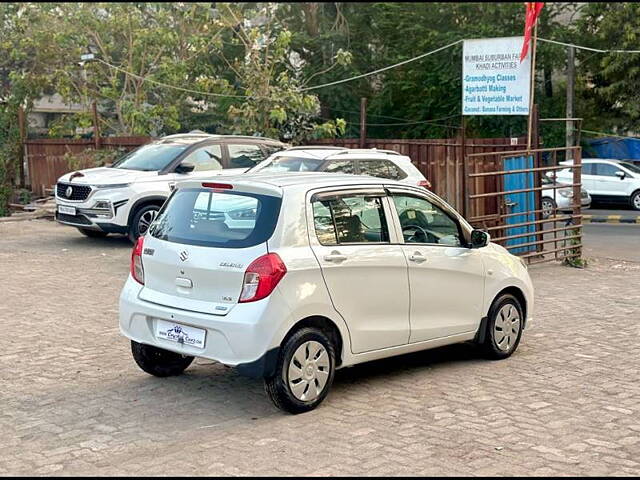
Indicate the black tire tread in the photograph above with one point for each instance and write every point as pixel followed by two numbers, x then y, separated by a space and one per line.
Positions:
pixel 276 387
pixel 141 356
pixel 488 346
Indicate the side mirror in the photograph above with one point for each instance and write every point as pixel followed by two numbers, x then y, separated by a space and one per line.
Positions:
pixel 621 174
pixel 479 239
pixel 185 167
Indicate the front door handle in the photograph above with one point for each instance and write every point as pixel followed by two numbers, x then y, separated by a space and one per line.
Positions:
pixel 335 256
pixel 417 257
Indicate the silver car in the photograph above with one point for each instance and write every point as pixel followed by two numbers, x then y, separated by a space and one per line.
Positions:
pixel 560 198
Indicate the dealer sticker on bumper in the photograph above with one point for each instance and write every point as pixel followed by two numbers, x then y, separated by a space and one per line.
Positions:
pixel 184 334
pixel 66 210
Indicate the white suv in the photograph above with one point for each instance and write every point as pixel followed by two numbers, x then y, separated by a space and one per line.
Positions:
pixel 288 277
pixel 607 180
pixel 370 161
pixel 126 197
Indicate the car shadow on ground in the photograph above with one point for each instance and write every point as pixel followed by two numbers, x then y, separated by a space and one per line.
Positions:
pixel 221 394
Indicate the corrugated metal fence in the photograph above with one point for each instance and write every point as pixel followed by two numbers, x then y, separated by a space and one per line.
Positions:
pixel 441 160
pixel 46 160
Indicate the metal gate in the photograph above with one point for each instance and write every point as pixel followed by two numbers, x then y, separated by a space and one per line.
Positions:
pixel 507 202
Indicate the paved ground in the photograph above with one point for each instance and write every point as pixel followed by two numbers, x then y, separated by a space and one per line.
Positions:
pixel 74 403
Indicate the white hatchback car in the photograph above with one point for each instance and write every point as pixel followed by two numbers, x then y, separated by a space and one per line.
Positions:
pixel 289 277
pixel 357 161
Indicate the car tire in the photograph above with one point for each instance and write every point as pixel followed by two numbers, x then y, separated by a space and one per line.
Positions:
pixel 92 233
pixel 143 216
pixel 548 207
pixel 635 200
pixel 159 362
pixel 505 315
pixel 305 361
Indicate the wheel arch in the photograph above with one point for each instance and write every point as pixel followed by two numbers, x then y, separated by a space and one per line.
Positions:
pixel 516 292
pixel 324 324
pixel 143 202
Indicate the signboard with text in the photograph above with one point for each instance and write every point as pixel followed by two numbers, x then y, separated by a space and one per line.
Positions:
pixel 494 82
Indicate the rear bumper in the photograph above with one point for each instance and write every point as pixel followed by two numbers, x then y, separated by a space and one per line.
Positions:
pixel 244 338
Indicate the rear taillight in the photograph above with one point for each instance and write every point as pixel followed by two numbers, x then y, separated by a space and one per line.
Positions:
pixel 137 270
pixel 261 277
pixel 425 183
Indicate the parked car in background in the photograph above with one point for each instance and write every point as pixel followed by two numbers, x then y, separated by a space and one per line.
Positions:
pixel 125 197
pixel 326 271
pixel 608 181
pixel 560 198
pixel 370 161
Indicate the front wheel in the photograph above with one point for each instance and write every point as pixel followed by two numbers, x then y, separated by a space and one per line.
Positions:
pixel 548 207
pixel 141 221
pixel 92 233
pixel 304 372
pixel 504 327
pixel 159 362
pixel 635 200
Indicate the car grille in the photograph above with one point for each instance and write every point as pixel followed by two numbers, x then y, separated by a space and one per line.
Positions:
pixel 75 219
pixel 78 192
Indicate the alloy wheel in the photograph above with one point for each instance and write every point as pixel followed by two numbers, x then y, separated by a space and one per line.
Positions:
pixel 146 219
pixel 308 371
pixel 507 327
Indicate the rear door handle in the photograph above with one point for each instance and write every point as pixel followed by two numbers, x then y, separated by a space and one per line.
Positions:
pixel 335 257
pixel 417 257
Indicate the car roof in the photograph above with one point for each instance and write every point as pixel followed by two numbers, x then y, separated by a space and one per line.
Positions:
pixel 329 152
pixel 287 180
pixel 592 160
pixel 194 137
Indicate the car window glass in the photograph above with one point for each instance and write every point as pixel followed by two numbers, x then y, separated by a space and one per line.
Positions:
pixel 206 158
pixel 424 222
pixel 587 169
pixel 606 170
pixel 292 164
pixel 340 166
pixel 375 168
pixel 199 216
pixel 352 219
pixel 631 166
pixel 244 156
pixel 151 157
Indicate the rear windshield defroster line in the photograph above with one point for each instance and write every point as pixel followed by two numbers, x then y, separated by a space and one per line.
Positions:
pixel 216 218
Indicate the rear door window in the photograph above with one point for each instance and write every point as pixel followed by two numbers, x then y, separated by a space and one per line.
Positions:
pixel 350 219
pixel 205 217
pixel 206 158
pixel 244 156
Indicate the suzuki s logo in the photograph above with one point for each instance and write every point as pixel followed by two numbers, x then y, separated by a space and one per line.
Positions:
pixel 184 255
pixel 68 192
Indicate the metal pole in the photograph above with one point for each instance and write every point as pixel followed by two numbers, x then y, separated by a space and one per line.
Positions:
pixel 23 136
pixel 96 125
pixel 465 193
pixel 532 85
pixel 571 76
pixel 363 122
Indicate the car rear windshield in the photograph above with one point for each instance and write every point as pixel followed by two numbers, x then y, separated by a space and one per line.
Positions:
pixel 216 218
pixel 293 164
pixel 151 158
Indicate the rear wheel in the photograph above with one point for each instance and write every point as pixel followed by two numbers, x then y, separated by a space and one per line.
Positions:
pixel 635 200
pixel 141 221
pixel 504 327
pixel 92 233
pixel 304 372
pixel 159 362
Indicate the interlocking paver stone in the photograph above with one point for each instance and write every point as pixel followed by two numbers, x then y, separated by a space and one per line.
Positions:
pixel 74 403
